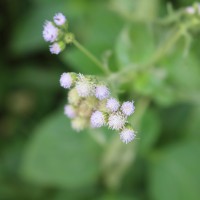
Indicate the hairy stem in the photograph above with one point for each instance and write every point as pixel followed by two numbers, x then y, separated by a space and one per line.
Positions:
pixel 91 57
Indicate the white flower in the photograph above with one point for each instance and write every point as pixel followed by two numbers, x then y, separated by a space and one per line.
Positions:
pixel 55 48
pixel 112 105
pixel 50 32
pixel 190 10
pixel 116 121
pixel 70 111
pixel 127 108
pixel 102 92
pixel 127 135
pixel 66 80
pixel 97 119
pixel 84 87
pixel 59 19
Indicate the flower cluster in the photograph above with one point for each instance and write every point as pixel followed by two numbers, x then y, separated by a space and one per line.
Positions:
pixel 56 32
pixel 90 105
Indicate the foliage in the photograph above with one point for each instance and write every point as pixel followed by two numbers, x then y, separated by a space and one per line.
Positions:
pixel 154 61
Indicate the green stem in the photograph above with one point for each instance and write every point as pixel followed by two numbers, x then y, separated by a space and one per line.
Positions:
pixel 91 57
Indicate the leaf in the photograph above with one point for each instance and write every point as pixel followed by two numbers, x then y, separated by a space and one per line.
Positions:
pixel 135 44
pixel 174 172
pixel 59 156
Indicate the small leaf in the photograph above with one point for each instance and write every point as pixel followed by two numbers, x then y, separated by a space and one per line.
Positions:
pixel 59 156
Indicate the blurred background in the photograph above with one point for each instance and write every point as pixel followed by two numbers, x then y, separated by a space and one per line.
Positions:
pixel 42 158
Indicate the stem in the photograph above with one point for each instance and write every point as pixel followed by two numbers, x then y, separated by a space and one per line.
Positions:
pixel 159 54
pixel 91 57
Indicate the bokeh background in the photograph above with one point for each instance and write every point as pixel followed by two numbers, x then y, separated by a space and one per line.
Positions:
pixel 41 158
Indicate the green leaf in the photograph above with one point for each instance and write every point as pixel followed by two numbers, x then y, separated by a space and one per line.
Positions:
pixel 149 131
pixel 59 156
pixel 174 172
pixel 135 44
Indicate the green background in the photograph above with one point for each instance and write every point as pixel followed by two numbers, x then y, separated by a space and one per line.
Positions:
pixel 42 158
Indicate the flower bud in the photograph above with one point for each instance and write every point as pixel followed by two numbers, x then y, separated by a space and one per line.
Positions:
pixel 127 135
pixel 57 47
pixel 97 119
pixel 69 38
pixel 116 121
pixel 59 19
pixel 73 97
pixel 79 123
pixel 67 80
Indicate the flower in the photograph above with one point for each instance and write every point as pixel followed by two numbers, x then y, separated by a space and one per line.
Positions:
pixel 84 87
pixel 66 80
pixel 127 108
pixel 59 19
pixel 50 32
pixel 97 119
pixel 112 105
pixel 102 92
pixel 70 111
pixel 127 135
pixel 116 121
pixel 55 48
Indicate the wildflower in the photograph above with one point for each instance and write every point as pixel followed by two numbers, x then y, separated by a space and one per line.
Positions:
pixel 70 111
pixel 102 92
pixel 84 87
pixel 59 19
pixel 97 119
pixel 79 123
pixel 127 135
pixel 127 108
pixel 116 121
pixel 112 105
pixel 50 32
pixel 66 80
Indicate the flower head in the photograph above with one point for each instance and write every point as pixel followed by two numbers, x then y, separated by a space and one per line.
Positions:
pixel 84 87
pixel 97 119
pixel 127 108
pixel 55 48
pixel 70 111
pixel 116 121
pixel 102 92
pixel 59 19
pixel 112 105
pixel 127 135
pixel 66 80
pixel 50 32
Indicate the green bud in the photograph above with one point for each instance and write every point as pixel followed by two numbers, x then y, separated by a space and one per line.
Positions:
pixel 69 38
pixel 79 123
pixel 73 97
